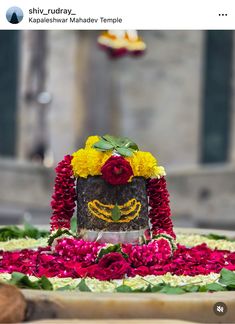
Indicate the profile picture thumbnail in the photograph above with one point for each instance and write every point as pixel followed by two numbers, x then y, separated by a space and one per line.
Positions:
pixel 14 15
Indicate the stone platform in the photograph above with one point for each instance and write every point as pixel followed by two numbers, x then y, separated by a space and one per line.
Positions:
pixel 114 321
pixel 196 307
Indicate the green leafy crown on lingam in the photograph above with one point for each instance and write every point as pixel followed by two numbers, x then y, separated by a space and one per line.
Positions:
pixel 122 145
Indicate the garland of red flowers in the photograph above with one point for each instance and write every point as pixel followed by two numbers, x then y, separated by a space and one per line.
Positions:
pixel 160 212
pixel 63 198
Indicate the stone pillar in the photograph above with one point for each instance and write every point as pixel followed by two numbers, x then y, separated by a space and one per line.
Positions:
pixel 62 84
pixel 25 115
pixel 65 112
pixel 160 95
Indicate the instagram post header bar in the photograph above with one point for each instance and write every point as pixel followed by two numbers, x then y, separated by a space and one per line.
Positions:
pixel 149 14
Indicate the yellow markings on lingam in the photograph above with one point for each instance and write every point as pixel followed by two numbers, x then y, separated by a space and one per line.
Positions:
pixel 128 211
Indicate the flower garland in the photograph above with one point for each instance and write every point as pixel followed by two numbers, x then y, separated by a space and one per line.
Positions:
pixel 160 212
pixel 63 198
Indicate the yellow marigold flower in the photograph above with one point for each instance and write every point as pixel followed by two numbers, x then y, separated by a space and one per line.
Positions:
pixel 134 164
pixel 87 162
pixel 91 140
pixel 145 165
pixel 79 163
pixel 94 161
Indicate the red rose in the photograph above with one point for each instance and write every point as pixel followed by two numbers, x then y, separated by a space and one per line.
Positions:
pixel 116 170
pixel 112 266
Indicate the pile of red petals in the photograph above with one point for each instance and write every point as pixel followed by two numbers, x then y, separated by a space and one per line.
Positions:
pixel 147 254
pixel 78 250
pixel 77 258
pixel 63 198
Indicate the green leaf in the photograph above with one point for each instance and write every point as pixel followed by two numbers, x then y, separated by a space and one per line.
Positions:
pixel 157 288
pixel 10 232
pixel 73 224
pixel 25 282
pixel 109 249
pixel 217 237
pixel 82 286
pixel 124 288
pixel 191 288
pixel 123 141
pixel 124 151
pixel 133 146
pixel 103 145
pixel 202 289
pixel 231 287
pixel 148 288
pixel 33 232
pixel 45 283
pixel 57 234
pixel 14 232
pixel 227 277
pixel 128 143
pixel 172 290
pixel 214 287
pixel 123 145
pixel 116 214
pixel 111 139
pixel 22 281
pixel 17 276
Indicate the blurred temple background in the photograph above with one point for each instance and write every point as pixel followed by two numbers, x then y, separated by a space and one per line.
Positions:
pixel 177 101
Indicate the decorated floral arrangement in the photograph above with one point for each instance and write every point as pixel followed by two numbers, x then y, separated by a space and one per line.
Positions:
pixel 119 43
pixel 114 164
pixel 122 230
